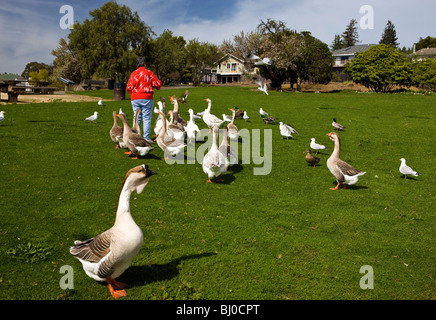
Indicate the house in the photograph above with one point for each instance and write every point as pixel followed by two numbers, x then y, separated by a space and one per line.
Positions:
pixel 425 53
pixel 342 56
pixel 228 69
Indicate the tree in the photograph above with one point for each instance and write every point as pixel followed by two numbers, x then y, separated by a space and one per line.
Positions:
pixel 337 43
pixel 380 68
pixel 201 56
pixel 66 63
pixel 35 66
pixel 350 37
pixel 424 74
pixel 108 44
pixel 428 42
pixel 389 35
pixel 167 56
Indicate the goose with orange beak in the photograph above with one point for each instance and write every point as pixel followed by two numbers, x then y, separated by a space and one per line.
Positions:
pixel 343 172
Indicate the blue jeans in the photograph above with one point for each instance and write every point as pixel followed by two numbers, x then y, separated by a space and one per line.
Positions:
pixel 146 106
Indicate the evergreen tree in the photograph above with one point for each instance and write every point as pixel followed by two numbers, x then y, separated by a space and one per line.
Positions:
pixel 350 37
pixel 389 36
pixel 337 43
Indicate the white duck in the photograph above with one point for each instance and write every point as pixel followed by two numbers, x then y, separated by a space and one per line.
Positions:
pixel 191 128
pixel 210 119
pixel 406 170
pixel 343 172
pixel 106 256
pixel 136 143
pixel 93 117
pixel 214 162
pixel 233 129
pixel 2 115
pixel 286 130
pixel 316 146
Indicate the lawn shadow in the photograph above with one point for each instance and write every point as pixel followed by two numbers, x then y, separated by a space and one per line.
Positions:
pixel 348 187
pixel 409 178
pixel 137 276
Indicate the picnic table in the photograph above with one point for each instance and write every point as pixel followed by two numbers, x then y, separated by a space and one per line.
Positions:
pixel 16 87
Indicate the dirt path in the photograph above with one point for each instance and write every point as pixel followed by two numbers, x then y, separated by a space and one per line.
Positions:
pixel 38 98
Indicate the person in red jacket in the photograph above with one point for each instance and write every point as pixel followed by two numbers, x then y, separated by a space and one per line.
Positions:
pixel 141 85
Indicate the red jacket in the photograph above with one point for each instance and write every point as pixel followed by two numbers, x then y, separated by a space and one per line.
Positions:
pixel 141 84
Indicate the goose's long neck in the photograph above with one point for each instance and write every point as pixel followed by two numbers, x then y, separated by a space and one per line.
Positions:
pixel 233 117
pixel 209 105
pixel 127 128
pixel 123 210
pixel 337 149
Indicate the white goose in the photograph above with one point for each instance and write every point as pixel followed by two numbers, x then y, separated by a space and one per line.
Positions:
pixel 158 124
pixel 406 170
pixel 167 142
pixel 214 162
pixel 343 172
pixel 233 129
pixel 191 128
pixel 106 256
pixel 210 119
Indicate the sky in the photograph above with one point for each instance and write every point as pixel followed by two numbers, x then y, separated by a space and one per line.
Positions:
pixel 30 29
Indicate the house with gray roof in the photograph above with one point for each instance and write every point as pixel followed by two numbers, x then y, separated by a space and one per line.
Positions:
pixel 342 56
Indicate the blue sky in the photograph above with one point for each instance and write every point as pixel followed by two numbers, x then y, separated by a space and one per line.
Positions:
pixel 30 28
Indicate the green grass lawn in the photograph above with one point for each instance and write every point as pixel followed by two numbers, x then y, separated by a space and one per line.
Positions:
pixel 283 235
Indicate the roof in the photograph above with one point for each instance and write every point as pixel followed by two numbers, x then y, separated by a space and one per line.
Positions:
pixel 350 51
pixel 426 52
pixel 229 56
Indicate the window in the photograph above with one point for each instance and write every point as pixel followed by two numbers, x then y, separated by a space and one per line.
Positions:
pixel 228 65
pixel 234 66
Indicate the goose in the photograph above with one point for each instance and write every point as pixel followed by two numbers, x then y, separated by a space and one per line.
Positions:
pixel 310 158
pixel 177 118
pixel 121 111
pixel 191 128
pixel 93 117
pixel 406 170
pixel 245 116
pixel 343 172
pixel 158 124
pixel 210 119
pixel 100 103
pixel 136 143
pixel 337 125
pixel 176 130
pixel 106 256
pixel 315 146
pixel 168 143
pixel 286 130
pixel 232 128
pixel 214 162
pixel 116 132
pixel 227 151
pixel 263 113
pixel 136 127
pixel 2 115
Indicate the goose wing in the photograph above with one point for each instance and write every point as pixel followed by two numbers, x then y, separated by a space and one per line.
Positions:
pixel 347 169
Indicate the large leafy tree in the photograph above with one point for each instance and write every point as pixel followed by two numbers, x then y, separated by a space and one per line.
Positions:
pixel 167 55
pixel 200 56
pixel 108 43
pixel 427 42
pixel 424 74
pixel 66 62
pixel 380 68
pixel 389 35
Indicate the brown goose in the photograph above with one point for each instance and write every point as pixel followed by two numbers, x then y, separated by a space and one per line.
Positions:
pixel 116 132
pixel 106 256
pixel 177 118
pixel 136 143
pixel 310 158
pixel 343 172
pixel 177 130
